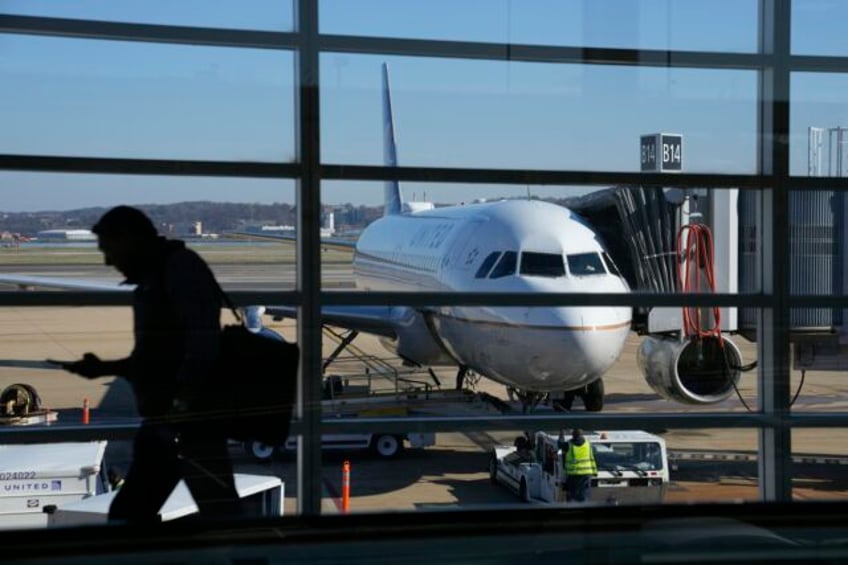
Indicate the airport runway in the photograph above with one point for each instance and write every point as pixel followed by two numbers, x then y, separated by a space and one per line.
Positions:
pixel 453 472
pixel 238 276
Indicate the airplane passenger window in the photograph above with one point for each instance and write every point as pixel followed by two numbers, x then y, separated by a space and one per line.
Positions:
pixel 486 265
pixel 542 264
pixel 586 264
pixel 506 266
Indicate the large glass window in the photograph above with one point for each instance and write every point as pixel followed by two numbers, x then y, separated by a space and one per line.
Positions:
pixel 265 141
pixel 90 98
pixel 471 113
pixel 687 25
pixel 815 28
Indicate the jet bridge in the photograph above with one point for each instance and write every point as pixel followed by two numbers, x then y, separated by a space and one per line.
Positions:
pixel 648 231
pixel 817 266
pixel 640 226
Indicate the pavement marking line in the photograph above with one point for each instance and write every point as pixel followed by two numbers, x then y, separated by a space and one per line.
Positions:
pixel 679 455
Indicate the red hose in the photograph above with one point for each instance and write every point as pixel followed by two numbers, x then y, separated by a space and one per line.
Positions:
pixel 696 258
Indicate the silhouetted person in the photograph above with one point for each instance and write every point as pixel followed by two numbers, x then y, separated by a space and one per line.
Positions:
pixel 580 467
pixel 176 313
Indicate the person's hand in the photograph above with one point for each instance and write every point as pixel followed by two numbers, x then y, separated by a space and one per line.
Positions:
pixel 90 366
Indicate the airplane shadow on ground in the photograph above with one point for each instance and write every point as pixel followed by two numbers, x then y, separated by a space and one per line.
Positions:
pixel 622 398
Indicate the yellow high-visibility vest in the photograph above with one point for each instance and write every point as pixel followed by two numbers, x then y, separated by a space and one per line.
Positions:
pixel 579 460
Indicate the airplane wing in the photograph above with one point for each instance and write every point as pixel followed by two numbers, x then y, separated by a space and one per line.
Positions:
pixel 35 281
pixel 330 242
pixel 370 319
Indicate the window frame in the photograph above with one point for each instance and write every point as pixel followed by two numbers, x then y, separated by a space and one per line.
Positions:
pixel 774 64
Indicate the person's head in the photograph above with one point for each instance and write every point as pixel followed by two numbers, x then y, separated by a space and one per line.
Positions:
pixel 124 235
pixel 576 433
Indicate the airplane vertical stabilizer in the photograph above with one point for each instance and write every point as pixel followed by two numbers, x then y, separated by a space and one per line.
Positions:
pixel 393 196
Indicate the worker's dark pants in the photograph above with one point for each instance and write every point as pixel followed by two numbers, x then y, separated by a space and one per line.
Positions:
pixel 160 460
pixel 577 488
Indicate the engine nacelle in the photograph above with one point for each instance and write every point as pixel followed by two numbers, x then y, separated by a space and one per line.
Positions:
pixel 693 371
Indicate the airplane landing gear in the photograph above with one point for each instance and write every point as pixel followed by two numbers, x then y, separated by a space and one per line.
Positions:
pixel 529 400
pixel 565 403
pixel 593 396
pixel 460 376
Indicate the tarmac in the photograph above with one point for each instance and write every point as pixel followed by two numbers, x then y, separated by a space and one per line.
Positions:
pixel 709 465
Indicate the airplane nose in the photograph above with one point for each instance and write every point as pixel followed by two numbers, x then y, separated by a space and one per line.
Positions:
pixel 596 334
pixel 565 348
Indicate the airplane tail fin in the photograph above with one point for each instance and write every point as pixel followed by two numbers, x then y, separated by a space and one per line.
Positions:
pixel 393 196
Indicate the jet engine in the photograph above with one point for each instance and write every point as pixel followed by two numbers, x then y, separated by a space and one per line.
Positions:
pixel 699 370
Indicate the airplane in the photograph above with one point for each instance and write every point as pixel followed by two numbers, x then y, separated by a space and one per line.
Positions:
pixel 510 245
pixel 518 246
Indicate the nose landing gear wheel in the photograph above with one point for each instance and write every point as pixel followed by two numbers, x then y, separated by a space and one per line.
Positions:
pixel 593 396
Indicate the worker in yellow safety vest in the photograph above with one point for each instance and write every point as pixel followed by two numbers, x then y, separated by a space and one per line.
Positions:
pixel 580 467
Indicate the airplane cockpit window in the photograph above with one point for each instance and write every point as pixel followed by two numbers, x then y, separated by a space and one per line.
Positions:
pixel 486 265
pixel 583 264
pixel 542 264
pixel 506 266
pixel 611 267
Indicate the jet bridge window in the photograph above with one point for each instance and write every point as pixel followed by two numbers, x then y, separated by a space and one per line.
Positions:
pixel 542 264
pixel 506 266
pixel 583 264
pixel 486 265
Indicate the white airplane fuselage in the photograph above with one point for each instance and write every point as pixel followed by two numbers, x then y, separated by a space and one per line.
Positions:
pixel 539 349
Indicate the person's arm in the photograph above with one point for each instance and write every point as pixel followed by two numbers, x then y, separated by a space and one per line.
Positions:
pixel 592 458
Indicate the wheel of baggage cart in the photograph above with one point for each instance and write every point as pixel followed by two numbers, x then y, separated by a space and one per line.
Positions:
pixel 522 491
pixel 19 400
pixel 259 450
pixel 493 469
pixel 386 446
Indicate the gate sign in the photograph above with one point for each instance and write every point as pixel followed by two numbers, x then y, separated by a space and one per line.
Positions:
pixel 661 153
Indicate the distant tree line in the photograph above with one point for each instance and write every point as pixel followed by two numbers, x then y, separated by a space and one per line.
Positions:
pixel 216 217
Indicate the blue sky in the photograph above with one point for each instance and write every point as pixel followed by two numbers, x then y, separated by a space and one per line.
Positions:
pixel 122 99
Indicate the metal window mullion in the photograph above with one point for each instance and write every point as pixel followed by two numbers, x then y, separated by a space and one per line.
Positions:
pixel 169 167
pixel 565 54
pixel 537 176
pixel 775 449
pixel 150 33
pixel 818 64
pixel 309 261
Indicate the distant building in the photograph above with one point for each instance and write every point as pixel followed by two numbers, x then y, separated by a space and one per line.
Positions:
pixel 67 235
pixel 329 227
